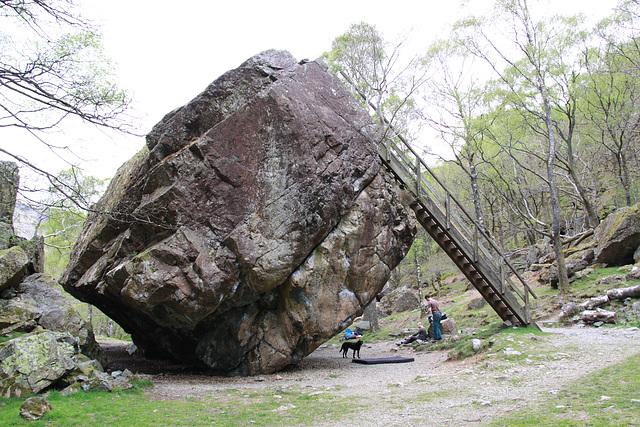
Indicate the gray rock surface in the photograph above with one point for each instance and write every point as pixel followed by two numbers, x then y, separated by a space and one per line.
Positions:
pixel 257 226
pixel 618 236
pixel 38 301
pixel 14 263
pixel 398 300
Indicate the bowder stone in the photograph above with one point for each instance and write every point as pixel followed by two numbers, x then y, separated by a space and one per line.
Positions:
pixel 256 224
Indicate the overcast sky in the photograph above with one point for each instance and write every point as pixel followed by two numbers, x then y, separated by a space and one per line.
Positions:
pixel 166 52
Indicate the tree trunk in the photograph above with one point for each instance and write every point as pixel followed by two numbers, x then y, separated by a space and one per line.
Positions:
pixel 599 315
pixel 594 302
pixel 473 174
pixel 588 206
pixel 563 277
pixel 626 181
pixel 622 293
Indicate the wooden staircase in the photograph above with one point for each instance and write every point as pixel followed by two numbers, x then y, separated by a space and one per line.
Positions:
pixel 449 224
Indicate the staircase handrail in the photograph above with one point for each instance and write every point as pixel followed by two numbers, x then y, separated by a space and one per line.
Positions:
pixel 386 142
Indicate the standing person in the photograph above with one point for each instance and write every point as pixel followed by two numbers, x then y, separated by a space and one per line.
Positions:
pixel 434 308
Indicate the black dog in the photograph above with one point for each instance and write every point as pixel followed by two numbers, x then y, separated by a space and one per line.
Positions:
pixel 355 346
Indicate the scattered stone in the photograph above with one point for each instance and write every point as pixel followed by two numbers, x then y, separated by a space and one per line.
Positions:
pixel 476 344
pixel 131 348
pixel 398 300
pixel 34 408
pixel 568 310
pixel 259 379
pixel 613 279
pixel 284 407
pixel 33 362
pixel 583 273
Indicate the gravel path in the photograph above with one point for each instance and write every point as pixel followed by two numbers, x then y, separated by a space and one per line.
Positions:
pixel 470 392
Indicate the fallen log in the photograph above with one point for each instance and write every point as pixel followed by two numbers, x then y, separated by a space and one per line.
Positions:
pixel 622 293
pixel 599 315
pixel 594 302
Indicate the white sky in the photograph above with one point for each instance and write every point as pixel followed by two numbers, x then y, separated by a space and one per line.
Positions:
pixel 168 52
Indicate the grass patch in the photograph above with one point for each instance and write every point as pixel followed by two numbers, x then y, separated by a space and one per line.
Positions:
pixel 10 336
pixel 608 397
pixel 229 408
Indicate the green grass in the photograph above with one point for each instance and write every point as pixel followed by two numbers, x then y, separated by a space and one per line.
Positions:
pixel 609 397
pixel 227 408
pixel 10 336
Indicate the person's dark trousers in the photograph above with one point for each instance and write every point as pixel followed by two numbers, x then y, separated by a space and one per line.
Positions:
pixel 437 335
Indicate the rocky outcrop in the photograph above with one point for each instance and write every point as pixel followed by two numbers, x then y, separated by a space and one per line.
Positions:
pixel 44 359
pixel 48 341
pixel 38 301
pixel 618 236
pixel 258 224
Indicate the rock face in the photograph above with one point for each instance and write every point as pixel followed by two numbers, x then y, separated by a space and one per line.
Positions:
pixel 398 300
pixel 257 226
pixel 39 302
pixel 618 236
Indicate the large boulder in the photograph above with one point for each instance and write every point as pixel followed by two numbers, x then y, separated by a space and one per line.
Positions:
pixel 258 224
pixel 399 300
pixel 618 236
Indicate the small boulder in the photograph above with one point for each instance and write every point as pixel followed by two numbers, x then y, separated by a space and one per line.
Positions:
pixel 476 303
pixel 34 408
pixel 447 327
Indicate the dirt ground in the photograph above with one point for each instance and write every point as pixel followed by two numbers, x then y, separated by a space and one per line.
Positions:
pixel 439 392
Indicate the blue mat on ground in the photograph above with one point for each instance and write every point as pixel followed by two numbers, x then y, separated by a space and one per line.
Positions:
pixel 395 359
